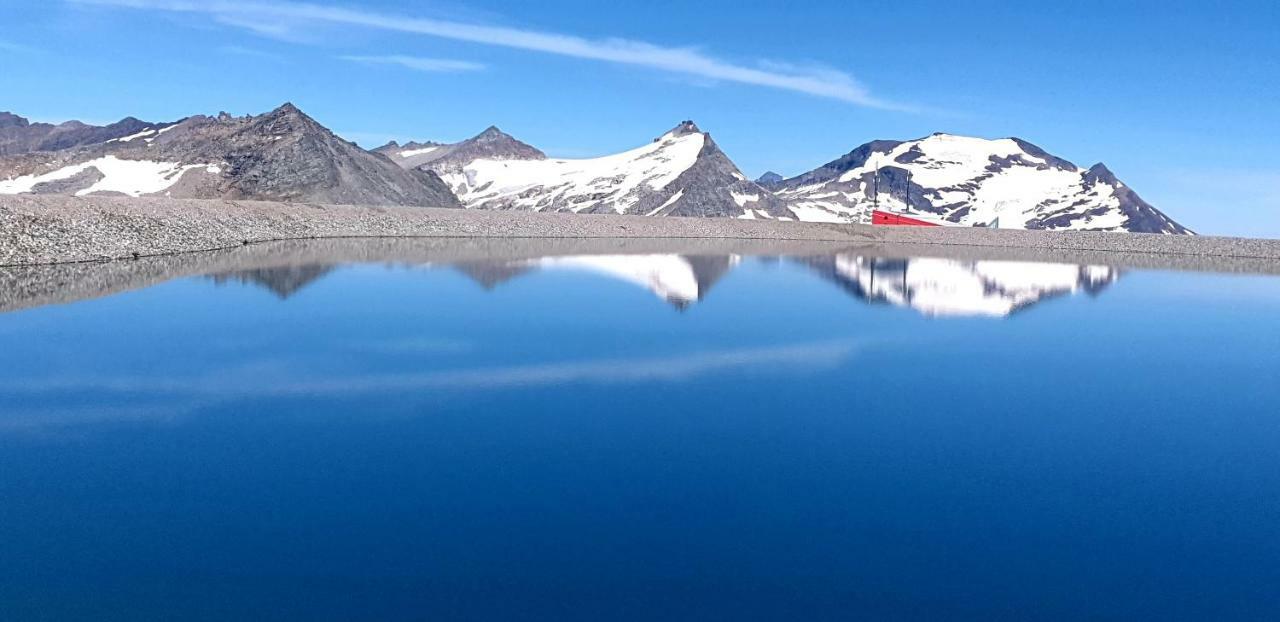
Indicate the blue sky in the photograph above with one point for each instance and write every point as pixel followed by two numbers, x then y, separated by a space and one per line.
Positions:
pixel 1180 99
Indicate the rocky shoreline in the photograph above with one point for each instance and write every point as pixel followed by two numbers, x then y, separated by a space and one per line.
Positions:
pixel 57 229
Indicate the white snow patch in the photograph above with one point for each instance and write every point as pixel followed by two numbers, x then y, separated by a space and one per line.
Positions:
pixel 131 177
pixel 124 139
pixel 675 197
pixel 743 199
pixel 814 213
pixel 409 153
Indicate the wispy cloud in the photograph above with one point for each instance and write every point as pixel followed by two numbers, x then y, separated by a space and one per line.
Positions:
pixel 237 50
pixel 417 63
pixel 275 19
pixel 16 48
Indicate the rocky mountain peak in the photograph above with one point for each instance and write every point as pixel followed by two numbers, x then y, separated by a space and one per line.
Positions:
pixel 491 143
pixel 769 178
pixel 287 120
pixel 8 119
pixel 492 133
pixel 1100 173
pixel 684 128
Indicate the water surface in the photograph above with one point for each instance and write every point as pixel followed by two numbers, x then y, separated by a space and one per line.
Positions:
pixel 640 436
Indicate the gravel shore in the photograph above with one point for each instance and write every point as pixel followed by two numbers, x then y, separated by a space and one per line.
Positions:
pixel 53 229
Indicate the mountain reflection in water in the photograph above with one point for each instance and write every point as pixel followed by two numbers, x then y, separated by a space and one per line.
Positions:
pixel 606 429
pixel 934 287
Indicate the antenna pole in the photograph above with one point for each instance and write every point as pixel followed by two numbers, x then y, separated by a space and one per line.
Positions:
pixel 875 198
pixel 906 194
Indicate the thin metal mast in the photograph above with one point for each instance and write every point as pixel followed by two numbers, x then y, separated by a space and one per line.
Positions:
pixel 906 194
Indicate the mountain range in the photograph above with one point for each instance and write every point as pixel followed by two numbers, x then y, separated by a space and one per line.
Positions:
pixel 285 155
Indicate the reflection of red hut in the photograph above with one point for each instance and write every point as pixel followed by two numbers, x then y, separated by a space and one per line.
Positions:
pixel 883 217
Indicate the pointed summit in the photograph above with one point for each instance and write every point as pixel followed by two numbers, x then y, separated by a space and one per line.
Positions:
pixel 440 158
pixel 491 133
pixel 1100 173
pixel 769 178
pixel 684 128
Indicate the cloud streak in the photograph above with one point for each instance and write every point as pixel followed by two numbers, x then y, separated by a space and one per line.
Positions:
pixel 266 382
pixel 417 63
pixel 271 18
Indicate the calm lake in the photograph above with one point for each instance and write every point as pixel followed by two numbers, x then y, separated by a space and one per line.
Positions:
pixel 638 435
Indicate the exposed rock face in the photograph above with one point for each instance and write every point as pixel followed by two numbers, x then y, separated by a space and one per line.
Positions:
pixel 681 173
pixel 1008 183
pixel 283 155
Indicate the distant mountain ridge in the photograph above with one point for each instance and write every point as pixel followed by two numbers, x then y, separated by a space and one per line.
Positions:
pixel 441 158
pixel 19 136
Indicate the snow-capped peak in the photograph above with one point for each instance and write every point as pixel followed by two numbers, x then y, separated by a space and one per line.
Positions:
pixel 970 181
pixel 685 128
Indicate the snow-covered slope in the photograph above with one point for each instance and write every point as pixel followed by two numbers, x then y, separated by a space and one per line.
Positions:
pixel 681 173
pixel 948 287
pixel 107 174
pixel 971 181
